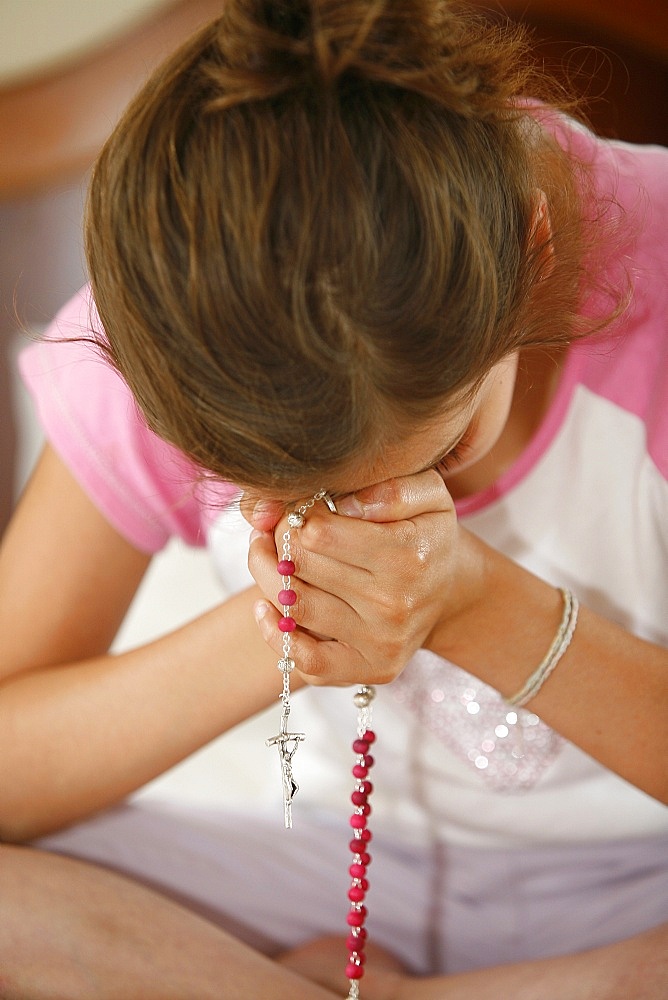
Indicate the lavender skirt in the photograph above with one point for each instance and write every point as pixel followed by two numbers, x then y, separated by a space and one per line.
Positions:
pixel 444 909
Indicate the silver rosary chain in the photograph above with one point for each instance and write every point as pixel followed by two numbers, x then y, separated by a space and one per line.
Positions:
pixel 286 741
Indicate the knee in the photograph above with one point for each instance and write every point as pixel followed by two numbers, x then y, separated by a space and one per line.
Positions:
pixel 33 927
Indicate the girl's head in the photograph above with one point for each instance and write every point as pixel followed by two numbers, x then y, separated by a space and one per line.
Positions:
pixel 318 225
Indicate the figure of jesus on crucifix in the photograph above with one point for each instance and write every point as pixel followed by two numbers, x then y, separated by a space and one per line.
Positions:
pixel 287 744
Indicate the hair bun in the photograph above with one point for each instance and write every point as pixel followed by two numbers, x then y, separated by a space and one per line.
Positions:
pixel 269 47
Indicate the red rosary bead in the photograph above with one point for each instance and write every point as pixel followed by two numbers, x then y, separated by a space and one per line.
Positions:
pixel 360 884
pixel 354 971
pixel 287 624
pixel 287 598
pixel 355 940
pixel 286 567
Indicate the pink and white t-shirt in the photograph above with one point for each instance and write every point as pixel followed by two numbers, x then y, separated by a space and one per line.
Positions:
pixel 585 506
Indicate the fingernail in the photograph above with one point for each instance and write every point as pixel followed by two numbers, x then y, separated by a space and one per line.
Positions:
pixel 260 609
pixel 266 514
pixel 255 533
pixel 350 506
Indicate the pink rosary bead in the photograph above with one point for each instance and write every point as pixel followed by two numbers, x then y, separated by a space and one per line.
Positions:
pixel 287 743
pixel 287 596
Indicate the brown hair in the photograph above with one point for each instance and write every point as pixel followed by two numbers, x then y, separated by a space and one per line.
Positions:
pixel 311 226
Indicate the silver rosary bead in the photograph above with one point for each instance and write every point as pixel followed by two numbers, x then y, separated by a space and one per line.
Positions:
pixel 364 696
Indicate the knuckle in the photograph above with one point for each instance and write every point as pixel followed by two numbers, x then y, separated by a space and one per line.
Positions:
pixel 397 616
pixel 409 602
pixel 313 680
pixel 390 648
pixel 394 492
pixel 395 608
pixel 316 534
pixel 312 665
pixel 405 534
pixel 302 609
pixel 424 550
pixel 386 676
pixel 388 672
pixel 417 553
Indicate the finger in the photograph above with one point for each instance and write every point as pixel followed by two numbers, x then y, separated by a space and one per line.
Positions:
pixel 261 514
pixel 333 641
pixel 318 550
pixel 374 610
pixel 326 544
pixel 262 560
pixel 336 553
pixel 318 661
pixel 398 499
pixel 317 610
pixel 310 567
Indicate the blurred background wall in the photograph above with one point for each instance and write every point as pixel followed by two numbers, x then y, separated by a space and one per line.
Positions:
pixel 68 67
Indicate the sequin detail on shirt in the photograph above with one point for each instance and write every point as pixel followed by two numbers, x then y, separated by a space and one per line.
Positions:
pixel 510 748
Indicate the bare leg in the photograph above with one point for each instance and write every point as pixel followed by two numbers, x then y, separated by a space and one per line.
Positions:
pixel 7 431
pixel 634 969
pixel 69 930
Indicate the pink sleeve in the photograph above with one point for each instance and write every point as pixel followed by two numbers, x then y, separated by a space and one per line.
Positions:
pixel 147 489
pixel 638 380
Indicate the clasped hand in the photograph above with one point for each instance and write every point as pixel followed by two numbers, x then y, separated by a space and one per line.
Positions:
pixel 372 584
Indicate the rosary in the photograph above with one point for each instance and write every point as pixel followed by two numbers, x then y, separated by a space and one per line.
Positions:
pixel 288 744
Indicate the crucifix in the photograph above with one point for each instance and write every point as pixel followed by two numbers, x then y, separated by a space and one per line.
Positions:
pixel 287 744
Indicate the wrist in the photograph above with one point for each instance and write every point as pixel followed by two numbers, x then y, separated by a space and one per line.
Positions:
pixel 506 624
pixel 466 600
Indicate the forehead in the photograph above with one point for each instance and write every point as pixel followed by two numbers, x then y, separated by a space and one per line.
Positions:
pixel 406 452
pixel 403 448
pixel 419 446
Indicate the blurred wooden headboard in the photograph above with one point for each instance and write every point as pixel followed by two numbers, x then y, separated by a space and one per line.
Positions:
pixel 615 52
pixel 52 127
pixel 641 23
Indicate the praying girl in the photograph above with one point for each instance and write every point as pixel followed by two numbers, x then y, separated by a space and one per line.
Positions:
pixel 350 260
